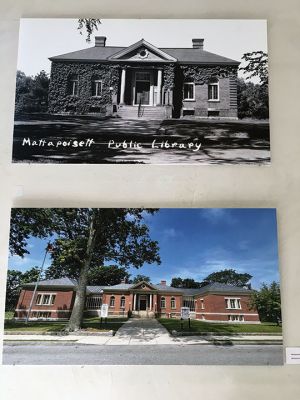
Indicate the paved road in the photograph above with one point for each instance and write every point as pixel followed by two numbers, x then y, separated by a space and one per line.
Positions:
pixel 74 354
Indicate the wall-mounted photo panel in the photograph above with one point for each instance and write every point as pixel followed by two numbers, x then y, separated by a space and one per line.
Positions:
pixel 142 91
pixel 197 286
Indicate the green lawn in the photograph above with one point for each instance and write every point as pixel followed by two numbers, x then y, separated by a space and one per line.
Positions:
pixel 90 324
pixel 200 326
pixel 9 314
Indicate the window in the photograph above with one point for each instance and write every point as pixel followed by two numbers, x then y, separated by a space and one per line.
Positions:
pixel 213 90
pixel 39 314
pixel 73 85
pixel 45 299
pixel 112 301
pixel 93 302
pixel 236 318
pixel 202 304
pixel 122 302
pixel 142 76
pixel 162 302
pixel 173 302
pixel 189 302
pixel 188 91
pixel 96 87
pixel 233 303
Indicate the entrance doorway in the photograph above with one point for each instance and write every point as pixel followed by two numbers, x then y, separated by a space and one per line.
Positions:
pixel 143 303
pixel 142 88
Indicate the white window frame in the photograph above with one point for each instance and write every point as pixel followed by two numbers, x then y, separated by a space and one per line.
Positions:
pixel 236 318
pixel 189 83
pixel 97 82
pixel 41 296
pixel 218 91
pixel 112 297
pixel 122 299
pixel 202 304
pixel 74 82
pixel 236 303
pixel 162 300
pixel 173 301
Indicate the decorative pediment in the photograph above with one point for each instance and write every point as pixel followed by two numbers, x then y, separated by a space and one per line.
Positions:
pixel 143 286
pixel 142 51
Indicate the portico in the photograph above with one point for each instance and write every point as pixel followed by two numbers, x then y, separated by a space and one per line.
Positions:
pixel 141 86
pixel 143 302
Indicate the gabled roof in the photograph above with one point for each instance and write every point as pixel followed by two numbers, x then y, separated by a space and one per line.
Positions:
pixel 115 54
pixel 138 284
pixel 127 50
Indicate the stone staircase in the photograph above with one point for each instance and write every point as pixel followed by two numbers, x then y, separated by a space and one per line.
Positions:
pixel 146 112
pixel 143 314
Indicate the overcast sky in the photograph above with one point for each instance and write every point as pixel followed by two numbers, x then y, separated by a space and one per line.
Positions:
pixel 43 38
pixel 196 242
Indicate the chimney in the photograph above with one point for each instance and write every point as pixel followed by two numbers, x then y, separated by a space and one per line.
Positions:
pixel 163 283
pixel 100 41
pixel 198 43
pixel 123 280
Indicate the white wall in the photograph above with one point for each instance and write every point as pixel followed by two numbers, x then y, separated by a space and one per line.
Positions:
pixel 171 186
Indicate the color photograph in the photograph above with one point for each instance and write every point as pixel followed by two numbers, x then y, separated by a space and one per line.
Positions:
pixel 142 92
pixel 143 286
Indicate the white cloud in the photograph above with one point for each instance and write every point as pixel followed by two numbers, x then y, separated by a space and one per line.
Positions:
pixel 217 215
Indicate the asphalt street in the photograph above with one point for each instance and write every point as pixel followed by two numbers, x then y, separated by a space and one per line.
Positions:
pixel 18 353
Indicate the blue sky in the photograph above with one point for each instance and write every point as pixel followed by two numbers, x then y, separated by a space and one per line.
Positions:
pixel 196 242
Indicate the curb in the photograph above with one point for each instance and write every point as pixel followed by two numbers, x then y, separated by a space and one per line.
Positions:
pixel 61 334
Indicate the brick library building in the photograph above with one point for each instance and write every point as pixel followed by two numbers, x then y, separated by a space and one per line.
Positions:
pixel 144 81
pixel 214 302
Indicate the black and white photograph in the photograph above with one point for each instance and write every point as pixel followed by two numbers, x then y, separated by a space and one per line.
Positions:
pixel 143 286
pixel 125 91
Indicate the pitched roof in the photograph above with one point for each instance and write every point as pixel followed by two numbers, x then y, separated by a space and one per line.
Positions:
pixel 216 287
pixel 111 53
pixel 55 282
pixel 210 288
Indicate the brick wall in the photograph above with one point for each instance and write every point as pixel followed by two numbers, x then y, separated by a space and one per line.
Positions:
pixel 61 308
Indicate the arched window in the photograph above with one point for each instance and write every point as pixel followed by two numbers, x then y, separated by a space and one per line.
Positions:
pixel 173 302
pixel 188 89
pixel 122 302
pixel 73 85
pixel 112 301
pixel 96 86
pixel 213 89
pixel 162 302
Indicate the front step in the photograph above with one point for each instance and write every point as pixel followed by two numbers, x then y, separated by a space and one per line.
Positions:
pixel 143 314
pixel 149 112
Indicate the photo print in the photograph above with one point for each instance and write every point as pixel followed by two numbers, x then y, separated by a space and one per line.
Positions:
pixel 142 91
pixel 180 286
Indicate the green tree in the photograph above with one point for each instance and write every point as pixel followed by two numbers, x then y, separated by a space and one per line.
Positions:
pixel 91 237
pixel 15 279
pixel 140 278
pixel 26 222
pixel 230 277
pixel 267 302
pixel 13 282
pixel 187 283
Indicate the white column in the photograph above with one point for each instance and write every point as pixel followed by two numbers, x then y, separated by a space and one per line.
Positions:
pixel 150 301
pixel 159 82
pixel 123 79
pixel 134 302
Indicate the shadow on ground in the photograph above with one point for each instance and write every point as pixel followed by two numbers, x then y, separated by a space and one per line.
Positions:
pixel 237 142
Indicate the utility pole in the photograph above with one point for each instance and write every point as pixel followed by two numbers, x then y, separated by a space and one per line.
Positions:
pixel 47 250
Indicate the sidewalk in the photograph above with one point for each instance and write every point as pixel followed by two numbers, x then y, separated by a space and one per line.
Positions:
pixel 146 332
